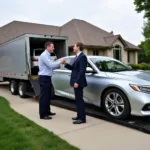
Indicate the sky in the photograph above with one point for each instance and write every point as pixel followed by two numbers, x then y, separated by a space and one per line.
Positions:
pixel 118 16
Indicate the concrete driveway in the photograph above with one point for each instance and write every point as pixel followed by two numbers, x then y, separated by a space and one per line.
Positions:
pixel 96 134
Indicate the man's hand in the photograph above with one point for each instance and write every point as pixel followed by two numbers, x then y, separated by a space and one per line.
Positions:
pixel 62 61
pixel 58 67
pixel 65 62
pixel 76 85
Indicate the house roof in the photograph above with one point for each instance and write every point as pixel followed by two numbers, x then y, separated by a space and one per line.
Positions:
pixel 91 35
pixel 132 46
pixel 76 30
pixel 84 32
pixel 16 28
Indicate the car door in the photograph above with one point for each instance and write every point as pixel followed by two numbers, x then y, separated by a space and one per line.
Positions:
pixel 61 81
pixel 92 91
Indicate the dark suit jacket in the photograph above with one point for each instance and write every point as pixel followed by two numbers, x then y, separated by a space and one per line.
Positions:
pixel 78 71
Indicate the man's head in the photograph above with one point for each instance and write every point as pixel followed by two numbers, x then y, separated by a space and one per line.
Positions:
pixel 49 46
pixel 78 47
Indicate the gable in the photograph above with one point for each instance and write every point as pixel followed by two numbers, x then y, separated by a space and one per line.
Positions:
pixel 82 31
pixel 120 43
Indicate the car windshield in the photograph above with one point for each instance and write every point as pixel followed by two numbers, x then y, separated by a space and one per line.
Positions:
pixel 109 65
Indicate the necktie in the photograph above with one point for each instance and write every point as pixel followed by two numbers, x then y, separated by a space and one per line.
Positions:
pixel 74 60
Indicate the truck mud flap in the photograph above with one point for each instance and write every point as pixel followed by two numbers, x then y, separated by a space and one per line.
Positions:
pixel 35 85
pixel 138 123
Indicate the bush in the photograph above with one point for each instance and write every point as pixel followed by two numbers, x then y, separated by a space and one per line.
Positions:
pixel 140 66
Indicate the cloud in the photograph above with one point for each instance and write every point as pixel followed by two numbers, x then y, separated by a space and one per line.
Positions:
pixel 116 15
pixel 120 17
pixel 57 2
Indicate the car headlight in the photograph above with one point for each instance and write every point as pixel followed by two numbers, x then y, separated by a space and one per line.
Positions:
pixel 140 88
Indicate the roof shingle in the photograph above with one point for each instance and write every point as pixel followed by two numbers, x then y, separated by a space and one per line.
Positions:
pixel 76 30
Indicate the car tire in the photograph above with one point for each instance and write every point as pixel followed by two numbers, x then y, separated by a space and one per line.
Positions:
pixel 23 89
pixel 116 104
pixel 13 87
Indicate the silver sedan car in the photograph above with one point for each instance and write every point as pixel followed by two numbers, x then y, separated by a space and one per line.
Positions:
pixel 112 85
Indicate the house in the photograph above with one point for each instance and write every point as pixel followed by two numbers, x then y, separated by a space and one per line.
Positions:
pixel 96 41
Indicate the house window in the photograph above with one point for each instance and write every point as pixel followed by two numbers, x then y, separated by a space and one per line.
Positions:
pixel 95 52
pixel 128 57
pixel 71 52
pixel 117 52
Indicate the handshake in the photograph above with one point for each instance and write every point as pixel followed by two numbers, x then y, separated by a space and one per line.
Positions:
pixel 62 61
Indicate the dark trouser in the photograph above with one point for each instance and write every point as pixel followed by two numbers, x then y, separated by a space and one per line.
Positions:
pixel 45 95
pixel 80 103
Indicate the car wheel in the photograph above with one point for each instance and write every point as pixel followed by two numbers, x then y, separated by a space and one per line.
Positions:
pixel 116 104
pixel 13 87
pixel 22 89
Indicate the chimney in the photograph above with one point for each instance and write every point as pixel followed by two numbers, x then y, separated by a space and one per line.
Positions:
pixel 111 32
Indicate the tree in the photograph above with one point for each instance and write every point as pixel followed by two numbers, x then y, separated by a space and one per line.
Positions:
pixel 146 33
pixel 144 5
pixel 142 57
pixel 146 29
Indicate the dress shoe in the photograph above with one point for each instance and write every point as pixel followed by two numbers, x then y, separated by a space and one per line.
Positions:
pixel 46 118
pixel 51 114
pixel 75 118
pixel 79 122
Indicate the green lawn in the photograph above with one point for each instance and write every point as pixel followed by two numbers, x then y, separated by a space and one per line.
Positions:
pixel 19 133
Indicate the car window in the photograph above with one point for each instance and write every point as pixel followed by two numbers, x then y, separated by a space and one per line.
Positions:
pixel 109 65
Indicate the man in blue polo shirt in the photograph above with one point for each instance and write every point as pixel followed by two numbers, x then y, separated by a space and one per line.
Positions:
pixel 46 67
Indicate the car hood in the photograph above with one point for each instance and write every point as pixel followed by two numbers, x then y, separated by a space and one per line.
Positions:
pixel 141 77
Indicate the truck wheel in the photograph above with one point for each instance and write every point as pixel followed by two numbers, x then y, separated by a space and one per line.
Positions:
pixel 22 89
pixel 13 87
pixel 116 104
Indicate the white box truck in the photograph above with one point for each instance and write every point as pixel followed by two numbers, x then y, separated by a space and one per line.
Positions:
pixel 19 61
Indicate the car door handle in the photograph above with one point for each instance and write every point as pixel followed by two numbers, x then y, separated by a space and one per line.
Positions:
pixel 69 75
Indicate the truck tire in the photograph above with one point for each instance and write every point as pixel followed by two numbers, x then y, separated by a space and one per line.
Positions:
pixel 13 87
pixel 23 89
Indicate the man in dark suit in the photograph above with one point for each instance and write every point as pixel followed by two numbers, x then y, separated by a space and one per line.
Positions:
pixel 78 81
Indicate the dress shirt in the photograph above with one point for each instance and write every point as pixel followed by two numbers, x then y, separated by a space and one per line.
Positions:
pixel 47 64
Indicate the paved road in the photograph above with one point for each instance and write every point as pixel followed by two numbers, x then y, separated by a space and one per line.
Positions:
pixel 96 134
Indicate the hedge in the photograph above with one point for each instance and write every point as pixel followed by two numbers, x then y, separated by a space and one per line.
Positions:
pixel 140 66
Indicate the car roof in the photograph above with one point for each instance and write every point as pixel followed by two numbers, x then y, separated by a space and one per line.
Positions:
pixel 90 57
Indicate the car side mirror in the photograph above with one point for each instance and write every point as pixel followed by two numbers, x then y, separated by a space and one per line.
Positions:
pixel 90 70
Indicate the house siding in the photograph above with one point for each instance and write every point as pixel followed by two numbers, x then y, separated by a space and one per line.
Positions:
pixel 85 51
pixel 101 52
pixel 90 52
pixel 109 53
pixel 132 57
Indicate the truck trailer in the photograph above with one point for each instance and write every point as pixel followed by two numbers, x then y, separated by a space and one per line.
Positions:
pixel 17 59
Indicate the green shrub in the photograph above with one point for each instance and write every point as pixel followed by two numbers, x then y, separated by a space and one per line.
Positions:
pixel 140 66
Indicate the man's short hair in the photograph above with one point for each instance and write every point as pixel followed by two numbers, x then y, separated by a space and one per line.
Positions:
pixel 80 45
pixel 48 44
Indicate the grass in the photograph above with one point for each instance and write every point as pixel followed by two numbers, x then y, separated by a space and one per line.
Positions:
pixel 19 133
